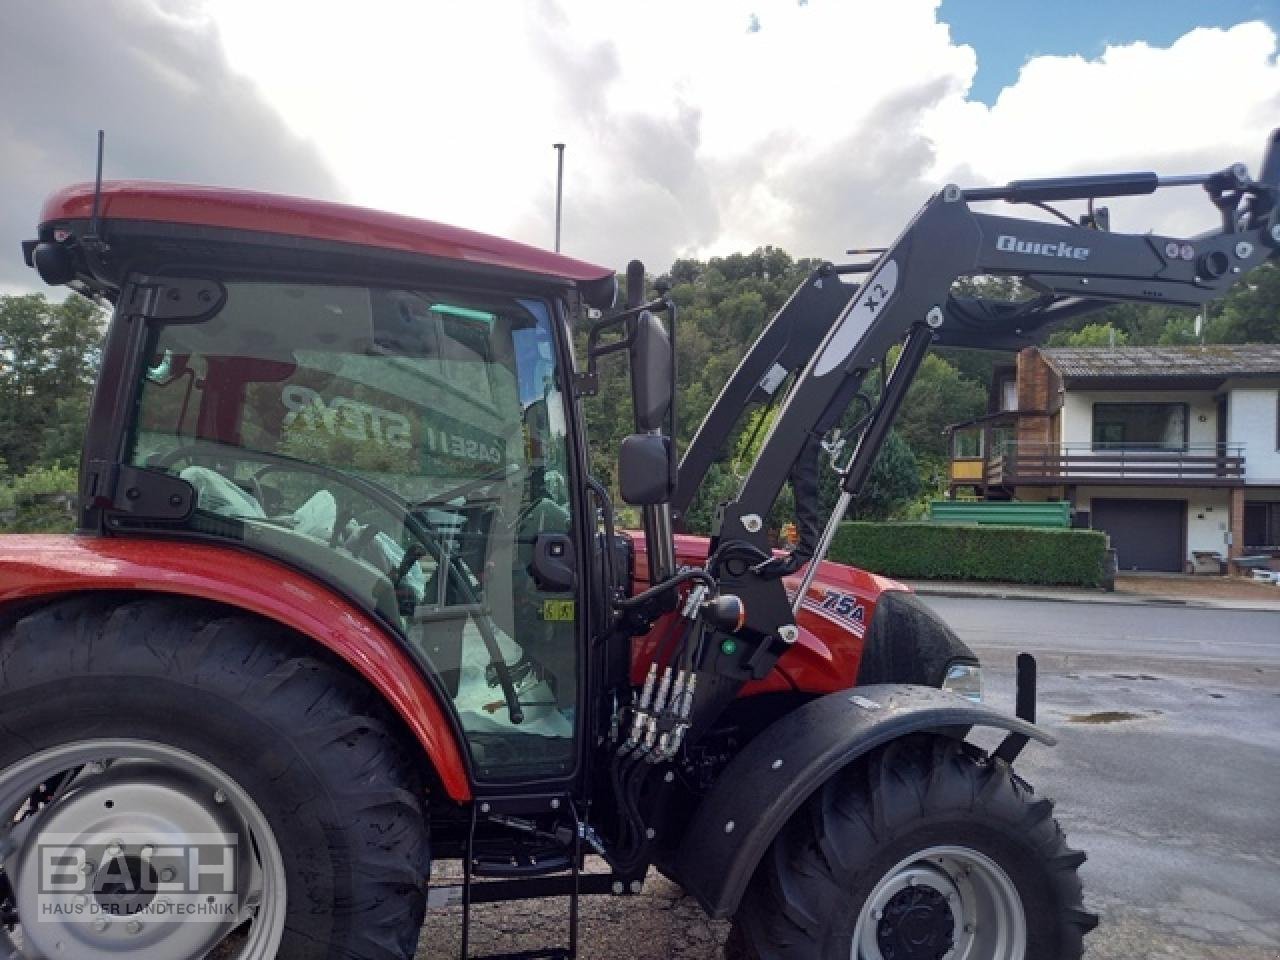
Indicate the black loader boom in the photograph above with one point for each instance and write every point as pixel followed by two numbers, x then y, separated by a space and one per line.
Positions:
pixel 830 335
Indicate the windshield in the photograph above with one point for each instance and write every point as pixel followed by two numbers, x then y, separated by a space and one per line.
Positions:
pixel 409 447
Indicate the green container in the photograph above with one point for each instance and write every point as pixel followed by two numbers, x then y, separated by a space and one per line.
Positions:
pixel 1011 513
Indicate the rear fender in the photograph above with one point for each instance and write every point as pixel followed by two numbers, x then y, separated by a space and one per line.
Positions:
pixel 776 772
pixel 41 568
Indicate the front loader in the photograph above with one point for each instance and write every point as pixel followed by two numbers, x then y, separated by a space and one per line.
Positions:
pixel 344 598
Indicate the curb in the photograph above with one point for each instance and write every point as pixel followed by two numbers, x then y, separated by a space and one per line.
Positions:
pixel 926 589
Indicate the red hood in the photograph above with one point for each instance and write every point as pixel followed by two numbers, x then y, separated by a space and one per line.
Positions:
pixel 833 620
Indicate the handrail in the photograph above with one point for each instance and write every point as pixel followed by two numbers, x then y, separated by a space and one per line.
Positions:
pixel 1103 449
pixel 1041 462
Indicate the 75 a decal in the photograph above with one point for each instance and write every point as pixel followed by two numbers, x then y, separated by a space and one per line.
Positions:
pixel 844 605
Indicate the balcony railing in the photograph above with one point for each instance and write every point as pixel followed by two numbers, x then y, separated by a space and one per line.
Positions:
pixel 1054 464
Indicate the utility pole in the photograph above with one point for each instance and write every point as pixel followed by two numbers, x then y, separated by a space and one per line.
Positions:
pixel 559 147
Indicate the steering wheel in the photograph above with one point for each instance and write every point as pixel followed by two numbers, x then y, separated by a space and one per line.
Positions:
pixel 278 462
pixel 460 491
pixel 419 531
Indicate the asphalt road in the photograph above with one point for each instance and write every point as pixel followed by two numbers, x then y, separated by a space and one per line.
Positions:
pixel 1167 773
pixel 1179 806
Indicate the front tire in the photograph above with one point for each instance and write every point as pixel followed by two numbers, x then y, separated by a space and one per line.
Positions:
pixel 117 710
pixel 926 849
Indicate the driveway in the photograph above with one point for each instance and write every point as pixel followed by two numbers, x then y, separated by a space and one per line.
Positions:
pixel 1167 773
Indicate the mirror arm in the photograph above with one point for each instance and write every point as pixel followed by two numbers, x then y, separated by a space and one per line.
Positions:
pixel 586 384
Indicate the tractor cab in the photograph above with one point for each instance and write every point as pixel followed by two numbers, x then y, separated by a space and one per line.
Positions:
pixel 392 422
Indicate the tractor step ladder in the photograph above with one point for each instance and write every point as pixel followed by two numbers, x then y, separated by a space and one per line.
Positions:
pixel 499 891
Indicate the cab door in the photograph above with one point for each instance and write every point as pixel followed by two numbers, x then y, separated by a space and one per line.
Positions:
pixel 411 448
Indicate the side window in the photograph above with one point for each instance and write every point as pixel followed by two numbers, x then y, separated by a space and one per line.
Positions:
pixel 409 447
pixel 170 402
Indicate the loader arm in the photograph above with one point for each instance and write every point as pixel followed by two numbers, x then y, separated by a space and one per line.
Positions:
pixel 788 343
pixel 906 300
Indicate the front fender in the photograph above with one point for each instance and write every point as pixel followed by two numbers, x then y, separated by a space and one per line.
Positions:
pixel 776 772
pixel 43 567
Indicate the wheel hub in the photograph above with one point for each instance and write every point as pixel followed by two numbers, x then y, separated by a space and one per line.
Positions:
pixel 942 903
pixel 917 925
pixel 152 857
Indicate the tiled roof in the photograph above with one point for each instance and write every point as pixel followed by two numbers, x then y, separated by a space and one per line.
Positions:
pixel 1216 360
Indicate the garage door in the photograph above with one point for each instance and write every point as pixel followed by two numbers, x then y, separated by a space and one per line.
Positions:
pixel 1146 534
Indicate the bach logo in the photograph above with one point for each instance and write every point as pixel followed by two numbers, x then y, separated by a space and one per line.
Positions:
pixel 1011 244
pixel 133 877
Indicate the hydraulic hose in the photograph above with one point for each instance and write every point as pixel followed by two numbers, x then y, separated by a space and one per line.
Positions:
pixel 685 576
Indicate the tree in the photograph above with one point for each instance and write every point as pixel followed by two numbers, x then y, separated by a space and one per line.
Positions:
pixel 1090 335
pixel 724 304
pixel 894 481
pixel 48 358
pixel 940 395
pixel 1251 312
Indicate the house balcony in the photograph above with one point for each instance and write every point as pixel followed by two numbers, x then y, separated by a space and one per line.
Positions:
pixel 1052 465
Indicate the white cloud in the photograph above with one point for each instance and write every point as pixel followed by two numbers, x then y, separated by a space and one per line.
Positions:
pixel 1207 101
pixel 688 134
pixel 161 87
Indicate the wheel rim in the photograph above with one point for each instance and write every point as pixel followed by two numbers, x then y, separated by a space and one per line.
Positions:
pixel 943 903
pixel 175 860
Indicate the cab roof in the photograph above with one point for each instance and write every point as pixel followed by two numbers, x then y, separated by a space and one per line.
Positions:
pixel 173 203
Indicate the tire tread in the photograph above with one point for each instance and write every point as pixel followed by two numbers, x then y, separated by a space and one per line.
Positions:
pixel 350 740
pixel 804 880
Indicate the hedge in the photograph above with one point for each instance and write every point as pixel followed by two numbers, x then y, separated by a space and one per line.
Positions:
pixel 42 500
pixel 931 551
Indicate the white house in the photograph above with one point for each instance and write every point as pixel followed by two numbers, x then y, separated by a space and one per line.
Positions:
pixel 1172 451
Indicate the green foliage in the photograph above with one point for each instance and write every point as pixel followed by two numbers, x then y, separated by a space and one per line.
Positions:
pixel 42 481
pixel 940 395
pixel 63 437
pixel 894 481
pixel 1090 335
pixel 931 551
pixel 43 517
pixel 39 501
pixel 1179 331
pixel 724 304
pixel 726 301
pixel 48 358
pixel 1250 313
pixel 719 486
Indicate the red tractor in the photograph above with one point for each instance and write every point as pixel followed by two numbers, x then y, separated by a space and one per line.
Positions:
pixel 345 598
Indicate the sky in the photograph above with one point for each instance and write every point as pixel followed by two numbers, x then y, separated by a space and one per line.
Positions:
pixel 692 129
pixel 1007 33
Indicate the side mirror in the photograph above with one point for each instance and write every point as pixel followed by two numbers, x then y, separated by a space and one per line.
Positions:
pixel 646 469
pixel 652 377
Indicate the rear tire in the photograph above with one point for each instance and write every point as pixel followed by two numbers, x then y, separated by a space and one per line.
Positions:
pixel 908 849
pixel 313 748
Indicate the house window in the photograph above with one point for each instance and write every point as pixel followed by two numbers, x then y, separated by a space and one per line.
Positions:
pixel 1261 526
pixel 967 444
pixel 1140 426
pixel 1009 394
pixel 1002 440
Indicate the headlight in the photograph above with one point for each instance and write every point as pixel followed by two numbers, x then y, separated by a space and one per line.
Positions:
pixel 964 679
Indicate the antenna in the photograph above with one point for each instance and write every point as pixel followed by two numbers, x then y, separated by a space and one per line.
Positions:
pixel 97 187
pixel 559 148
